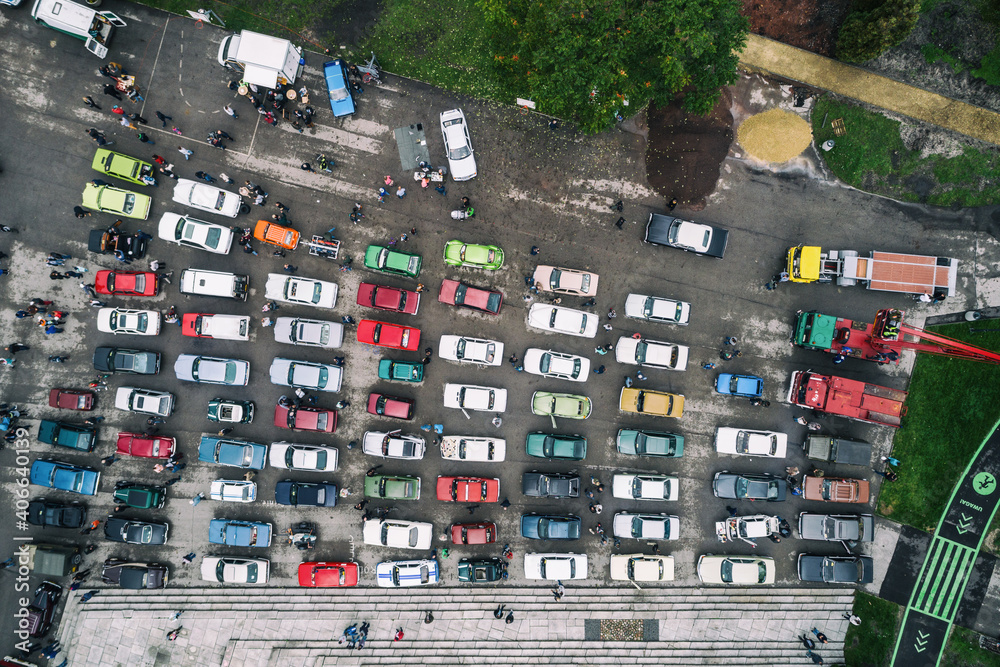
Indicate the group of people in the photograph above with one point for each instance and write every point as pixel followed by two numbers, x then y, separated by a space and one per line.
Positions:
pixel 355 636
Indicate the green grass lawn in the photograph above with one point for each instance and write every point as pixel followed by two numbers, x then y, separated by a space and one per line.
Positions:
pixel 870 644
pixel 951 408
pixel 872 157
pixel 962 650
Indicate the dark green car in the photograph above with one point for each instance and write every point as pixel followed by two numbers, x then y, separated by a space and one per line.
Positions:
pixel 139 496
pixel 380 258
pixel 481 570
pixel 401 371
pixel 392 487
pixel 74 436
pixel 556 446
pixel 650 443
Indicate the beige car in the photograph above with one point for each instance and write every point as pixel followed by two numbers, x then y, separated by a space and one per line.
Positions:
pixel 565 281
pixel 639 567
pixel 735 570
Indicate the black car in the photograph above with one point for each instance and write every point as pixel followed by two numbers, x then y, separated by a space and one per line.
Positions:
pixel 318 494
pixel 135 531
pixel 44 512
pixel 696 237
pixel 749 486
pixel 111 241
pixel 122 360
pixel 837 569
pixel 43 608
pixel 550 485
pixel 134 576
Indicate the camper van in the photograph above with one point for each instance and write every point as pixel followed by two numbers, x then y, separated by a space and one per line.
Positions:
pixel 93 27
pixel 264 60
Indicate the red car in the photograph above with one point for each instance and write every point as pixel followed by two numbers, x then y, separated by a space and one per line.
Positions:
pixel 146 446
pixel 328 575
pixel 388 298
pixel 468 489
pixel 390 406
pixel 126 283
pixel 305 418
pixel 388 335
pixel 459 294
pixel 474 533
pixel 71 399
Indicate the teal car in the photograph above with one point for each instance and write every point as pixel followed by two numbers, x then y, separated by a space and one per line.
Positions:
pixel 122 166
pixel 650 443
pixel 109 199
pixel 380 258
pixel 570 406
pixel 556 446
pixel 390 487
pixel 139 496
pixel 457 253
pixel 400 371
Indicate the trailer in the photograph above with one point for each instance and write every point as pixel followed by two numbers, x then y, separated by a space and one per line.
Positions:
pixel 829 449
pixel 853 399
pixel 883 271
pixel 263 60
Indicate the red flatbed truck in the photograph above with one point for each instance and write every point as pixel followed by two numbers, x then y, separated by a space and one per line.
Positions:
pixel 853 399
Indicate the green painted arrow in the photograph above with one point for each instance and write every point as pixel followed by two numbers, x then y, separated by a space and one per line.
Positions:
pixel 919 645
pixel 964 524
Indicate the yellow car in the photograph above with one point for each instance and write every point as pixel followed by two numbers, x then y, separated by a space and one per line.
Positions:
pixel 648 402
pixel 109 199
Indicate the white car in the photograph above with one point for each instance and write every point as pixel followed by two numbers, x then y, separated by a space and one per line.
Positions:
pixel 557 365
pixel 563 320
pixel 747 442
pixel 393 445
pixel 471 350
pixel 306 375
pixel 565 281
pixel 193 233
pixel 222 327
pixel 230 570
pixel 644 487
pixel 315 333
pixel 144 401
pixel 292 456
pixel 471 448
pixel 305 291
pixel 404 573
pixel 639 567
pixel 651 353
pixel 657 309
pixel 128 321
pixel 736 570
pixel 555 567
pixel 205 197
pixel 472 397
pixel 458 145
pixel 398 534
pixel 233 491
pixel 646 526
pixel 212 370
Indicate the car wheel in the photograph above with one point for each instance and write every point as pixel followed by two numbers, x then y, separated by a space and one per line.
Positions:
pixel 77 558
pixel 244 208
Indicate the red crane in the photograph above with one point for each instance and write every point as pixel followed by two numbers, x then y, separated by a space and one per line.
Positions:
pixel 889 333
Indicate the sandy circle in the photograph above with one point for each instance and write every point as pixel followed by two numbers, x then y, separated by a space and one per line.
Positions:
pixel 775 135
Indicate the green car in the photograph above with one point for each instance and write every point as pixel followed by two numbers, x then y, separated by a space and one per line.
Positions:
pixel 392 488
pixel 379 258
pixel 555 446
pixel 121 166
pixel 233 412
pixel 109 199
pixel 477 256
pixel 650 443
pixel 570 406
pixel 139 496
pixel 400 371
pixel 481 570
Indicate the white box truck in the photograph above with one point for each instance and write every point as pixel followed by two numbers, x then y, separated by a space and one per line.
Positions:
pixel 264 60
pixel 93 27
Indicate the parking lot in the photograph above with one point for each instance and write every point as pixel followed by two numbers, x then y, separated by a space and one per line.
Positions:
pixel 549 189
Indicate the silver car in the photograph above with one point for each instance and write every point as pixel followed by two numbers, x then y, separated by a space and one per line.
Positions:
pixel 306 375
pixel 212 370
pixel 837 527
pixel 314 333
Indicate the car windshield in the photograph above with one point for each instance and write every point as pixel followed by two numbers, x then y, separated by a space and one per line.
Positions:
pixel 212 241
pixel 220 200
pixel 726 572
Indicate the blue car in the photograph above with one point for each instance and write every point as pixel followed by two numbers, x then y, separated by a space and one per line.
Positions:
pixel 542 527
pixel 747 386
pixel 65 477
pixel 239 533
pixel 341 100
pixel 232 452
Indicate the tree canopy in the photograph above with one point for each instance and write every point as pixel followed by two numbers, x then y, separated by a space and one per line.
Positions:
pixel 588 60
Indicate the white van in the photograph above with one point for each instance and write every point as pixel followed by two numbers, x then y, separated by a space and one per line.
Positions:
pixel 264 60
pixel 214 283
pixel 93 27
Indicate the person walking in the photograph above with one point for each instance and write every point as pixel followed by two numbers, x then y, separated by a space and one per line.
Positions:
pixel 399 635
pixel 498 613
pixel 163 118
pixel 852 618
pixel 305 166
pixel 891 461
pixel 208 178
pixel 109 460
pixel 136 118
pixel 889 474
pixel 14 348
pixel 88 596
pixel 144 138
pixel 290 269
pixel 110 89
pixel 172 635
pixel 185 152
pixel 820 636
pixel 229 110
pixel 89 101
pixel 510 618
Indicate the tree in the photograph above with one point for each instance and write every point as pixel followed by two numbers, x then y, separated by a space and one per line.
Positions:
pixel 867 35
pixel 588 60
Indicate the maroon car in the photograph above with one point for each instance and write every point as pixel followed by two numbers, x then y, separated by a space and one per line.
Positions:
pixel 484 532
pixel 71 399
pixel 305 418
pixel 388 298
pixel 146 446
pixel 455 293
pixel 390 406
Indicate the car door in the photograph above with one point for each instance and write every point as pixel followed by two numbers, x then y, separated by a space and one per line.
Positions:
pixel 113 19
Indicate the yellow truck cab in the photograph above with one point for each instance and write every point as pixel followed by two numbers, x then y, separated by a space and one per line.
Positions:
pixel 93 27
pixel 803 263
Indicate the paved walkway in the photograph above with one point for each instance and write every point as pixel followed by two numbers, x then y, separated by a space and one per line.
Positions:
pixel 765 55
pixel 290 627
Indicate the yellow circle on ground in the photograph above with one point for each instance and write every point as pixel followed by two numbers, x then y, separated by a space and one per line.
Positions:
pixel 775 135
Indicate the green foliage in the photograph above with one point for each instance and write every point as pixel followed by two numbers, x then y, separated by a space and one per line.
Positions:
pixel 295 16
pixel 989 67
pixel 872 642
pixel 868 146
pixel 866 35
pixel 962 650
pixel 990 11
pixel 587 60
pixel 947 397
pixel 933 53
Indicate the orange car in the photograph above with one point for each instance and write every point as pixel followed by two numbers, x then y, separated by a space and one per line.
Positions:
pixel 275 234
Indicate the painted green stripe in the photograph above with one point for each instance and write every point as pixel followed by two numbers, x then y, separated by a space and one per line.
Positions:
pixel 932 577
pixel 964 569
pixel 945 579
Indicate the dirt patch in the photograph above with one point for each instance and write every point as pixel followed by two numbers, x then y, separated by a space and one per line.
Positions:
pixel 347 25
pixel 685 151
pixel 808 24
